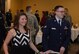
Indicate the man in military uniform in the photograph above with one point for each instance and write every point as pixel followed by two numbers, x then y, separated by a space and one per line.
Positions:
pixel 56 33
pixel 32 25
pixel 2 29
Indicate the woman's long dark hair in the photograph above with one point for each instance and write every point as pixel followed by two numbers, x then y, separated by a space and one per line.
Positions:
pixel 16 21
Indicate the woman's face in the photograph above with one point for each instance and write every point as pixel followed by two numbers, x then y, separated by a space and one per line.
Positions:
pixel 22 20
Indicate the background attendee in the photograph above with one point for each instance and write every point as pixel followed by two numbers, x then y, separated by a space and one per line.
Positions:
pixel 51 14
pixel 68 16
pixel 9 18
pixel 21 11
pixel 44 18
pixel 17 12
pixel 2 29
pixel 37 15
pixel 32 24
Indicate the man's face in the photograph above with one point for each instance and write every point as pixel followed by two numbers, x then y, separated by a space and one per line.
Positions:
pixel 60 12
pixel 30 10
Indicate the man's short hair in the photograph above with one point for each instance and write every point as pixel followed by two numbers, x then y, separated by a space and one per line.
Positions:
pixel 28 7
pixel 57 7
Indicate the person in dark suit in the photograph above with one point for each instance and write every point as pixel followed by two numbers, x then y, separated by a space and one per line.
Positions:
pixel 56 33
pixel 9 17
pixel 2 29
pixel 37 15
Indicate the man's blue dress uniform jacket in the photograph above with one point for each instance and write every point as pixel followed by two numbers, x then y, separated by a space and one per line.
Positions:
pixel 56 36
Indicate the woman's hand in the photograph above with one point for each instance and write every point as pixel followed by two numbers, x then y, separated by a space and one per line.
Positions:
pixel 42 53
pixel 47 52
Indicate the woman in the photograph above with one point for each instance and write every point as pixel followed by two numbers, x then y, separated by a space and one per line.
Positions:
pixel 20 37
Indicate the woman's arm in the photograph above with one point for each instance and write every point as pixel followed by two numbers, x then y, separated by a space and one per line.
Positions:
pixel 33 47
pixel 7 40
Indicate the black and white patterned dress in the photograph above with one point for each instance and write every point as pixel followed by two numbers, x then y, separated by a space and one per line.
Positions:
pixel 20 43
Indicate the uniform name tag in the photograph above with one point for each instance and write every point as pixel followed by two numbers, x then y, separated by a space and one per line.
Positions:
pixel 53 28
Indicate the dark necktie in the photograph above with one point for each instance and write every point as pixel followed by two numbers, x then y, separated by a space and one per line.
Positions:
pixel 59 22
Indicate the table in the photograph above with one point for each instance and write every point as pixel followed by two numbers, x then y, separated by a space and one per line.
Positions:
pixel 74 33
pixel 39 37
